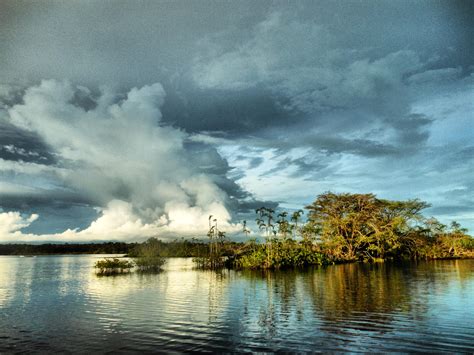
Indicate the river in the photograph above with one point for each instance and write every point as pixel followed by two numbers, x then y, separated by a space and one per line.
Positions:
pixel 57 303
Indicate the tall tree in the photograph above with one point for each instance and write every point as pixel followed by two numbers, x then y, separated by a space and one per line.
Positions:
pixel 361 226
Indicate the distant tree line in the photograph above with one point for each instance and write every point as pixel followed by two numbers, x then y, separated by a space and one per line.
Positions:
pixel 175 248
pixel 66 248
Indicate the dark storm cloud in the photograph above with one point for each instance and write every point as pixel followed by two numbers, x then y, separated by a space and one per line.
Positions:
pixel 17 144
pixel 107 46
pixel 413 130
pixel 140 43
pixel 59 210
pixel 304 166
pixel 235 113
pixel 107 42
pixel 211 162
pixel 255 162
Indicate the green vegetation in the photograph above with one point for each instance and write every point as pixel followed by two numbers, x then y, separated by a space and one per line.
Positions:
pixel 277 254
pixel 339 228
pixel 109 266
pixel 345 228
pixel 281 249
pixel 217 256
pixel 175 248
pixel 147 256
pixel 361 227
pixel 66 248
pixel 149 264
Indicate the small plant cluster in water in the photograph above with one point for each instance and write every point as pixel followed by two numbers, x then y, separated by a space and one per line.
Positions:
pixel 146 258
pixel 111 266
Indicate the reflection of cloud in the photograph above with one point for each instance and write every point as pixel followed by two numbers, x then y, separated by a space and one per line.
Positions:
pixel 8 277
pixel 16 278
pixel 176 295
pixel 338 308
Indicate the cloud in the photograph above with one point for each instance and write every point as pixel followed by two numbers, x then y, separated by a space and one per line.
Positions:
pixel 305 62
pixel 12 222
pixel 376 116
pixel 337 98
pixel 264 101
pixel 120 157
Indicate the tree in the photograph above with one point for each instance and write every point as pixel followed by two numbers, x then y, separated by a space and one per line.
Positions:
pixel 262 214
pixel 361 226
pixel 295 217
pixel 245 229
pixel 284 228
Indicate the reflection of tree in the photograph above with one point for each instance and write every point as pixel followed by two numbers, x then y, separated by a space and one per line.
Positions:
pixel 362 296
pixel 378 298
pixel 280 303
pixel 268 316
pixel 347 305
pixel 347 298
pixel 440 276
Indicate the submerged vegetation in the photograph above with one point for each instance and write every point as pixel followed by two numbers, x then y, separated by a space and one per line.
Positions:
pixel 146 258
pixel 216 257
pixel 113 266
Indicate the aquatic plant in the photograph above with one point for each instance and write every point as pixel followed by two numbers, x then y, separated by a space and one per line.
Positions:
pixel 149 263
pixel 215 258
pixel 113 266
pixel 285 253
pixel 147 256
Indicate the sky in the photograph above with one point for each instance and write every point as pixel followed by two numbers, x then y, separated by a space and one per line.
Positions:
pixel 122 120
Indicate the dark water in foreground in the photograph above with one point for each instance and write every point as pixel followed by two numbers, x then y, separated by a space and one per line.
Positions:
pixel 56 303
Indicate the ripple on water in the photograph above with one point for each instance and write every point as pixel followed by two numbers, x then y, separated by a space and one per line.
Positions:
pixel 59 304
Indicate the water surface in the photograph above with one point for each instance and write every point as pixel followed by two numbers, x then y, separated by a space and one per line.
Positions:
pixel 57 303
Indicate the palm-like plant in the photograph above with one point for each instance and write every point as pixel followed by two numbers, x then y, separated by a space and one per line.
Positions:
pixel 283 225
pixel 216 240
pixel 266 215
pixel 295 217
pixel 210 234
pixel 269 214
pixel 245 229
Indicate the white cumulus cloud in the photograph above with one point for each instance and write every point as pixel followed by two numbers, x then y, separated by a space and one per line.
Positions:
pixel 121 157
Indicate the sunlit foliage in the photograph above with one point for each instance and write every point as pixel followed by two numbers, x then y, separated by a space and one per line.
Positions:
pixel 147 256
pixel 354 227
pixel 113 266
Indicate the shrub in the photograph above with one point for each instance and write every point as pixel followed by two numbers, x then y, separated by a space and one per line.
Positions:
pixel 149 263
pixel 113 266
pixel 147 256
pixel 280 254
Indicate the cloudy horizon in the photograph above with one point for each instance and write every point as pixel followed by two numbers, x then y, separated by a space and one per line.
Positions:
pixel 126 120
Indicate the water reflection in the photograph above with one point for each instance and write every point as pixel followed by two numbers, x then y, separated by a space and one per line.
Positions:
pixel 7 280
pixel 58 304
pixel 342 291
